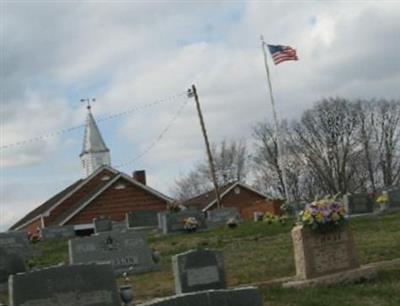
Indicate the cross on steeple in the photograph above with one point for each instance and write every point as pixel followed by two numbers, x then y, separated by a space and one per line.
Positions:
pixel 88 100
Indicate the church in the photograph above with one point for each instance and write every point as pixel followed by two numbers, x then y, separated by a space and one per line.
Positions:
pixel 102 192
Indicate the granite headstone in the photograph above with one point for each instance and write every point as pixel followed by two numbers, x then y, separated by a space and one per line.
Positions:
pixel 58 232
pixel 319 254
pixel 360 203
pixel 198 270
pixel 174 222
pixel 10 264
pixel 16 243
pixel 246 296
pixel 222 215
pixel 77 285
pixel 142 218
pixel 394 198
pixel 102 225
pixel 127 252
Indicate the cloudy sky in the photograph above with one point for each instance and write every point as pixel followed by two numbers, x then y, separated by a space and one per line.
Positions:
pixel 129 54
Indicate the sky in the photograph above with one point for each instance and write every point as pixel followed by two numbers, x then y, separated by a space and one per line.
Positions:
pixel 129 54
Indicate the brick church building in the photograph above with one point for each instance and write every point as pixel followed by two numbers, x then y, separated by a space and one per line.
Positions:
pixel 103 191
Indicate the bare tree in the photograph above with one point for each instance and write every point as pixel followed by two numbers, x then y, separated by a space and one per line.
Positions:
pixel 231 164
pixel 386 123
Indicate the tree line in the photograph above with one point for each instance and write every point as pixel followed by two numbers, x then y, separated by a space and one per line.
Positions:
pixel 337 146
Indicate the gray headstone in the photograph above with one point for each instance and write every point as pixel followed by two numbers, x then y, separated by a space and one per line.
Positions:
pixel 119 226
pixel 246 296
pixel 394 198
pixel 360 203
pixel 174 222
pixel 58 232
pixel 222 215
pixel 102 225
pixel 79 285
pixel 142 218
pixel 16 243
pixel 127 252
pixel 198 270
pixel 10 264
pixel 161 219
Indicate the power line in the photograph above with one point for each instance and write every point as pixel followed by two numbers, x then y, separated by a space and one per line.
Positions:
pixel 158 139
pixel 110 117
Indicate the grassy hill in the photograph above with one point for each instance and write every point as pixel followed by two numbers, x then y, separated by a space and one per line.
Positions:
pixel 258 252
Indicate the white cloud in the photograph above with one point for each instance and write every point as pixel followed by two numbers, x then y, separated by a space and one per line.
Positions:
pixel 129 54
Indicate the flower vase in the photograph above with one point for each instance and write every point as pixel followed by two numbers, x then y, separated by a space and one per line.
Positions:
pixel 126 294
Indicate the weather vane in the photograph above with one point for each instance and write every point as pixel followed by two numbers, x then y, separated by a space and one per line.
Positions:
pixel 88 100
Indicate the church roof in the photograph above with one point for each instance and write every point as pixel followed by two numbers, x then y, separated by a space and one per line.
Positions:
pixel 92 140
pixel 83 191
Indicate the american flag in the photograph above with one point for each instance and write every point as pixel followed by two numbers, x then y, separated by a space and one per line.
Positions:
pixel 282 53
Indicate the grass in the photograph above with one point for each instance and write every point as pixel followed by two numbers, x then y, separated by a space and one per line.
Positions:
pixel 256 252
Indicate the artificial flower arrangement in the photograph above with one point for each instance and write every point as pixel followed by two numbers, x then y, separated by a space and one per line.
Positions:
pixel 270 218
pixel 190 224
pixel 232 223
pixel 383 199
pixel 323 215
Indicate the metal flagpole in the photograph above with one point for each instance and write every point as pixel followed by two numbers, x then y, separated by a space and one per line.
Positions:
pixel 193 93
pixel 277 130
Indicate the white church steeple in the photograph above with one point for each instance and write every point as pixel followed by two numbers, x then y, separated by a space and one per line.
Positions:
pixel 94 151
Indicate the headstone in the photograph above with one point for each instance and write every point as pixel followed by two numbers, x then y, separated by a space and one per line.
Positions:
pixel 127 252
pixel 10 264
pixel 16 243
pixel 142 218
pixel 318 254
pixel 119 226
pixel 161 219
pixel 78 285
pixel 102 225
pixel 198 270
pixel 360 203
pixel 222 215
pixel 58 232
pixel 174 222
pixel 246 296
pixel 394 198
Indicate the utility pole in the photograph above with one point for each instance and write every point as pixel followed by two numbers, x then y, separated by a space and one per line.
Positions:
pixel 192 92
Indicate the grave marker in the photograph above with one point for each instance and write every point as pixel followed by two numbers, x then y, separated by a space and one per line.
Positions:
pixel 16 243
pixel 127 252
pixel 246 296
pixel 10 264
pixel 360 203
pixel 174 222
pixel 325 258
pixel 78 285
pixel 198 270
pixel 221 216
pixel 142 218
pixel 102 225
pixel 58 232
pixel 394 198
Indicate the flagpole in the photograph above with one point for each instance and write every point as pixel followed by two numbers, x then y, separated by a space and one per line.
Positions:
pixel 277 130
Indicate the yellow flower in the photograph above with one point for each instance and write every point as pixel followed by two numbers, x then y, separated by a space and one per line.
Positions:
pixel 307 216
pixel 319 217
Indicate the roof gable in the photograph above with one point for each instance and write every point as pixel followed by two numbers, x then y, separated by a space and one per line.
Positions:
pixel 96 193
pixel 206 200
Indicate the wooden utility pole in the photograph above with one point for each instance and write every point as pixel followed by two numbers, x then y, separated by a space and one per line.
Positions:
pixel 193 93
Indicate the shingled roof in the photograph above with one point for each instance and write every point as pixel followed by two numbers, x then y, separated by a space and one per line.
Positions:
pixel 37 212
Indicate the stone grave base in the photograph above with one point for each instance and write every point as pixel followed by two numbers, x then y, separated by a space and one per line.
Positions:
pixel 246 296
pixel 349 276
